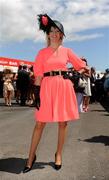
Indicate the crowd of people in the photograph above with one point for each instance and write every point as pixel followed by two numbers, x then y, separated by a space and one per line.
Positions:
pixel 21 87
pixel 25 84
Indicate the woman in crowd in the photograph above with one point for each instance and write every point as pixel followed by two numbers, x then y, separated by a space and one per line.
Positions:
pixel 87 91
pixel 8 89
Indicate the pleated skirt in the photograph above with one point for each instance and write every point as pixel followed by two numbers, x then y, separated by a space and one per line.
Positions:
pixel 58 100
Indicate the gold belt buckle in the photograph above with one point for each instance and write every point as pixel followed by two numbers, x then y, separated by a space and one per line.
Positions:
pixel 60 73
pixel 51 73
pixel 54 73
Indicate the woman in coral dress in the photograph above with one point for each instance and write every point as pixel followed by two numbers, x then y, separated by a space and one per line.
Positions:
pixel 55 96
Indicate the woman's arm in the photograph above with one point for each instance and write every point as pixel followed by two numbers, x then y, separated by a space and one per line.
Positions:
pixel 77 63
pixel 87 72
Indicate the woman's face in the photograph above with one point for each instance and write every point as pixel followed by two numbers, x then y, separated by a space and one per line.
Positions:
pixel 55 35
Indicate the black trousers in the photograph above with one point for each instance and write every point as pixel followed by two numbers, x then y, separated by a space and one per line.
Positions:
pixel 23 96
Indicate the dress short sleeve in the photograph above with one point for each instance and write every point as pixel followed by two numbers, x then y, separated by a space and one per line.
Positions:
pixel 75 60
pixel 38 65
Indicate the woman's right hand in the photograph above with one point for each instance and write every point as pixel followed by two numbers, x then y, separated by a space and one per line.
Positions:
pixel 37 97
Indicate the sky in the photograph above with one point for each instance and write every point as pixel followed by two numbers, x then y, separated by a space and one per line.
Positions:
pixel 86 25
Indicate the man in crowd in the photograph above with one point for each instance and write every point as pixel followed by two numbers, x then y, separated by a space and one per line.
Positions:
pixel 24 80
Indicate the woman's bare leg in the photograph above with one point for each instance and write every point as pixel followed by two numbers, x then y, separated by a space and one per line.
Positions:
pixel 6 100
pixel 35 141
pixel 10 97
pixel 8 93
pixel 62 128
pixel 86 102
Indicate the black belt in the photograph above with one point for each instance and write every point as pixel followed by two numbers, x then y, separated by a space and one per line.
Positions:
pixel 55 73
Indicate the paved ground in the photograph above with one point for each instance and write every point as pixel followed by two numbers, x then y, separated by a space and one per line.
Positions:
pixel 85 155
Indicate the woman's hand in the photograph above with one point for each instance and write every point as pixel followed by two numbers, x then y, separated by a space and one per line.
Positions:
pixel 37 97
pixel 87 71
pixel 37 91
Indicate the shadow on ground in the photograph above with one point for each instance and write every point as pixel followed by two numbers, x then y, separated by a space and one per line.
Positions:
pixel 105 103
pixel 16 165
pixel 106 114
pixel 98 139
pixel 98 110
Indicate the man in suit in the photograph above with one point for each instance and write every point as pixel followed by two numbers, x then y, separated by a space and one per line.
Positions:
pixel 93 85
pixel 24 80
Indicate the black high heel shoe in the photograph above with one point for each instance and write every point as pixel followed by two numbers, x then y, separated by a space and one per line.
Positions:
pixel 26 168
pixel 57 166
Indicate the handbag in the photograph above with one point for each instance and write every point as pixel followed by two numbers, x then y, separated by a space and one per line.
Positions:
pixel 82 82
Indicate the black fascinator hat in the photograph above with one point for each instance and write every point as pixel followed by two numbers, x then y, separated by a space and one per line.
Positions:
pixel 45 23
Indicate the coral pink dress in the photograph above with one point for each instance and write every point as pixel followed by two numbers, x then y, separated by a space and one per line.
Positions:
pixel 58 99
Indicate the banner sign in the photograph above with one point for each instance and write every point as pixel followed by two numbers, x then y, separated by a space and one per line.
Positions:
pixel 14 62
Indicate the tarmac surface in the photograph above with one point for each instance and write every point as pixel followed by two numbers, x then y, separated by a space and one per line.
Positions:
pixel 85 153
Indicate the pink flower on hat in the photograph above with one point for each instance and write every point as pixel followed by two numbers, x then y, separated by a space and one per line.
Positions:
pixel 44 20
